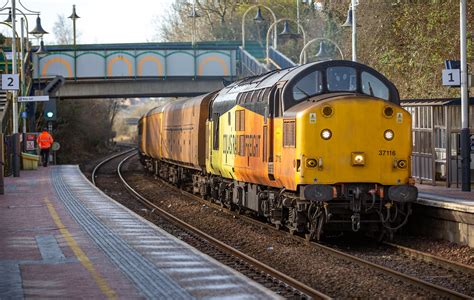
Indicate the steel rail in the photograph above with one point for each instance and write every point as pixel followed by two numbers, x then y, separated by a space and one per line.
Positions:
pixel 430 258
pixel 99 165
pixel 439 290
pixel 308 291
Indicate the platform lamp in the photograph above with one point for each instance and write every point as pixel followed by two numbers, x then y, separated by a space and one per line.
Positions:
pixel 322 51
pixel 351 22
pixel 286 32
pixel 258 16
pixel 74 17
pixel 41 49
pixel 258 19
pixel 194 15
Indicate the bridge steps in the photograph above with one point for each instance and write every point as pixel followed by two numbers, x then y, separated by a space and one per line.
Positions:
pixel 3 103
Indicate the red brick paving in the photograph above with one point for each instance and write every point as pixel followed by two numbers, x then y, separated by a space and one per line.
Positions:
pixel 23 217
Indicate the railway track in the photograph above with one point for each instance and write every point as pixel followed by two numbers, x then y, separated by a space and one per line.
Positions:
pixel 432 259
pixel 436 289
pixel 252 268
pixel 106 160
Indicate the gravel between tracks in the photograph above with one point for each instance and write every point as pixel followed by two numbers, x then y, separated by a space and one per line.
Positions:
pixel 382 255
pixel 445 249
pixel 335 277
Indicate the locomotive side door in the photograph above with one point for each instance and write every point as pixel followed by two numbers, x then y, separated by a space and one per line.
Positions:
pixel 273 133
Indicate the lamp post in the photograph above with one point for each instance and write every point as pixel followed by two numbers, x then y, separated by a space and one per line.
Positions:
pixel 37 31
pixel 274 24
pixel 74 17
pixel 351 22
pixel 258 18
pixel 465 139
pixel 194 15
pixel 303 51
pixel 298 14
pixel 23 25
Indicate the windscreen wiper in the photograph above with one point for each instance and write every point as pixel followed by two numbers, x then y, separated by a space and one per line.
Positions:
pixel 303 92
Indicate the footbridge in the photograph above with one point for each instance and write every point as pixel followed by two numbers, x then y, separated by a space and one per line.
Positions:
pixel 137 70
pixel 150 69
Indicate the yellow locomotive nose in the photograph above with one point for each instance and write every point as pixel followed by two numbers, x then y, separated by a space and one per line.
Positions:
pixel 358 158
pixel 358 141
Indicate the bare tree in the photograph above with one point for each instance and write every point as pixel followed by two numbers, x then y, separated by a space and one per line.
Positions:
pixel 63 31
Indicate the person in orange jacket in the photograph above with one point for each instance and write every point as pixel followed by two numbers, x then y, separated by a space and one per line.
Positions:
pixel 45 141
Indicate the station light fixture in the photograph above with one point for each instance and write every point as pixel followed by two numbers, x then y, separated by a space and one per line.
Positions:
pixel 38 31
pixel 258 17
pixel 41 48
pixel 324 52
pixel 348 22
pixel 8 20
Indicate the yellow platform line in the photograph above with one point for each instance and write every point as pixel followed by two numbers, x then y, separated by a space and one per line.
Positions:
pixel 81 256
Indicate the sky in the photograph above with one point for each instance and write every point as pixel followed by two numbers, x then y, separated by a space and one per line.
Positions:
pixel 101 21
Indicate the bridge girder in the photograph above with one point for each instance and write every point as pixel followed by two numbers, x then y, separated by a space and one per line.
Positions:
pixel 130 88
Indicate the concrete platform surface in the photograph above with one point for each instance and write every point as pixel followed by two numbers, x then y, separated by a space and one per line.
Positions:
pixel 60 237
pixel 448 198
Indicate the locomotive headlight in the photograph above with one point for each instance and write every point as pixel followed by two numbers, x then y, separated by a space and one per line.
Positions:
pixel 388 135
pixel 326 134
pixel 358 158
pixel 311 163
pixel 402 164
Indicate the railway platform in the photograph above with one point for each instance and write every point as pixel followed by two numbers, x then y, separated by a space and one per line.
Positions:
pixel 61 237
pixel 444 213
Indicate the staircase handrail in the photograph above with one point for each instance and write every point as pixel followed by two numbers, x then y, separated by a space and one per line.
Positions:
pixel 279 60
pixel 251 63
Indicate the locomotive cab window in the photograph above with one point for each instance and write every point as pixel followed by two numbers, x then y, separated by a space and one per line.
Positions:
pixel 215 121
pixel 308 86
pixel 373 86
pixel 341 79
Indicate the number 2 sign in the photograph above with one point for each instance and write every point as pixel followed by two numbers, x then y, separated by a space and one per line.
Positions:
pixel 10 82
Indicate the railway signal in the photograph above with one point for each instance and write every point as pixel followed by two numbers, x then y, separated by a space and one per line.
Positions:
pixel 50 110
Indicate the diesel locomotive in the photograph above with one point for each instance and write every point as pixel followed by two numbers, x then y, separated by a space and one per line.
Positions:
pixel 322 146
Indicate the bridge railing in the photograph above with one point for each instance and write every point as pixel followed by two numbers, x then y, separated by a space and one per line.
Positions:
pixel 279 60
pixel 250 66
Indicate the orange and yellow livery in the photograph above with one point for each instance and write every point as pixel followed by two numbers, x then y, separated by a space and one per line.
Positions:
pixel 319 145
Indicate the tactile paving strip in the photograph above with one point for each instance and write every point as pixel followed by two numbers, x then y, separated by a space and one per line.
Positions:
pixel 159 264
pixel 151 281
